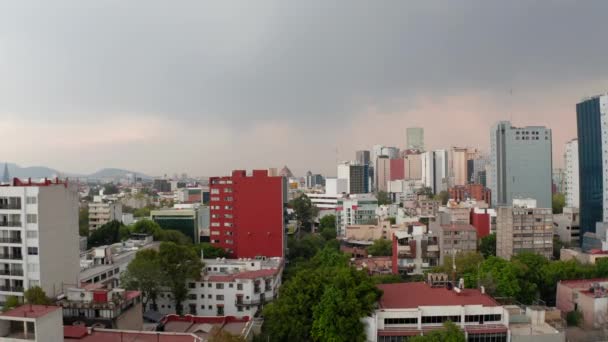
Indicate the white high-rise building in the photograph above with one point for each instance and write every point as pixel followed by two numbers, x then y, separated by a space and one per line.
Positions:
pixel 441 170
pixel 428 170
pixel 39 242
pixel 571 165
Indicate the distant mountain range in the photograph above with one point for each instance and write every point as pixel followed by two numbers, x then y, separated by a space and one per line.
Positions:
pixel 43 171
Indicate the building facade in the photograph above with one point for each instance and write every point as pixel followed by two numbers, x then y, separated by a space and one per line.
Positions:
pixel 382 172
pixel 184 220
pixel 101 213
pixel 592 128
pixel 357 177
pixel 354 210
pixel 415 250
pixel 456 238
pixel 415 138
pixel 39 240
pixel 477 192
pixel 571 174
pixel 247 214
pixel 521 163
pixel 362 157
pixel 524 229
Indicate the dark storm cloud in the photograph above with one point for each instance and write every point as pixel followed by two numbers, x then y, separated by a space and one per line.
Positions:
pixel 239 62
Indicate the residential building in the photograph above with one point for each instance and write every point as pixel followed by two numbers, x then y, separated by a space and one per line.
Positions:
pixel 230 287
pixel 161 185
pixel 521 163
pixel 587 296
pixel 103 212
pixel 247 214
pixel 524 228
pixel 39 242
pixel 382 172
pixel 370 232
pixel 428 208
pixel 184 220
pixel 575 253
pixel 471 191
pixel 354 210
pixel 404 190
pixel 38 323
pixel 373 265
pixel 428 170
pixel 484 221
pixel 412 309
pixel 415 249
pixel 567 226
pixel 193 195
pixel 412 169
pixel 456 238
pixel 458 166
pixel 571 174
pixel 397 169
pixel 455 214
pixel 105 264
pixel 362 157
pixel 415 138
pixel 592 128
pixel 102 308
pixel 357 177
pixel 207 328
pixel 440 170
pixel 535 324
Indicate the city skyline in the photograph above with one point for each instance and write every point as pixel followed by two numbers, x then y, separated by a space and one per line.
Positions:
pixel 244 86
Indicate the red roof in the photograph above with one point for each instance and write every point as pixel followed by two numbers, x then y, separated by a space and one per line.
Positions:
pixel 132 294
pixel 413 295
pixel 74 331
pixel 31 311
pixel 582 283
pixel 103 335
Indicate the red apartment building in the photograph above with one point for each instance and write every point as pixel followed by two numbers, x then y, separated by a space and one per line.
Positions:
pixel 247 214
pixel 471 191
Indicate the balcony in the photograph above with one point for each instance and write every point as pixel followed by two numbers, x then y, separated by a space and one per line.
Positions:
pixel 251 302
pixel 16 273
pixel 11 288
pixel 432 248
pixel 10 206
pixel 10 223
pixel 10 240
pixel 11 256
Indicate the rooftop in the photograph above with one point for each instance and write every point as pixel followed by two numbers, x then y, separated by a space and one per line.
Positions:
pixel 413 295
pixel 582 283
pixel 457 227
pixel 243 275
pixel 30 311
pixel 84 334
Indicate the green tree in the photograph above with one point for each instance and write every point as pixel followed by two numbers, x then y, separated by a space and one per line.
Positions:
pixel 176 236
pixel 182 264
pixel 574 318
pixel 530 275
pixel 144 274
pixel 558 203
pixel 107 234
pixel 328 221
pixel 383 198
pixel 381 247
pixel 83 221
pixel 35 295
pixel 142 212
pixel 305 211
pixel 210 251
pixel 467 267
pixel 499 277
pixel 487 245
pixel 110 189
pixel 442 197
pixel 387 279
pixel 450 333
pixel 328 233
pixel 11 303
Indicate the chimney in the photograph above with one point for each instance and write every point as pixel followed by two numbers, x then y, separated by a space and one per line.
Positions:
pixel 482 289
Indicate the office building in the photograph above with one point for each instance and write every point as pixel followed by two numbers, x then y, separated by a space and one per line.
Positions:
pixel 521 164
pixel 247 214
pixel 524 228
pixel 558 178
pixel 357 177
pixel 38 236
pixel 362 157
pixel 428 170
pixel 415 308
pixel 102 212
pixel 592 128
pixel 412 169
pixel 383 173
pixel 314 180
pixel 458 166
pixel 390 152
pixel 415 138
pixel 6 177
pixel 184 220
pixel 571 174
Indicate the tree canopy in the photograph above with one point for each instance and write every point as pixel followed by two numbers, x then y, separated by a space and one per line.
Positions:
pixel 305 211
pixel 35 295
pixel 383 198
pixel 210 251
pixel 487 245
pixel 182 264
pixel 144 274
pixel 558 202
pixel 83 221
pixel 381 247
pixel 450 333
pixel 107 234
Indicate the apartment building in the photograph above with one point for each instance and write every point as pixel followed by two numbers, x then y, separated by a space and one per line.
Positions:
pixel 456 238
pixel 247 214
pixel 39 243
pixel 476 192
pixel 412 309
pixel 230 287
pixel 567 226
pixel 354 210
pixel 102 212
pixel 524 228
pixel 415 250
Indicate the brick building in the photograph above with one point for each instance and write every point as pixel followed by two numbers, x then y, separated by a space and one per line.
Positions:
pixel 471 191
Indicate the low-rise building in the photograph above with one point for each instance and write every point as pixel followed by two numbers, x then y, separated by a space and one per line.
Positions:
pixel 38 323
pixel 102 212
pixel 476 192
pixel 411 309
pixel 355 209
pixel 184 220
pixel 428 208
pixel 373 265
pixel 535 324
pixel 415 250
pixel 578 254
pixel 455 238
pixel 567 226
pixel 587 296
pixel 369 233
pixel 230 287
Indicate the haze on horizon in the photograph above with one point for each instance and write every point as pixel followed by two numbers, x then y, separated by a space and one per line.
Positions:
pixel 205 87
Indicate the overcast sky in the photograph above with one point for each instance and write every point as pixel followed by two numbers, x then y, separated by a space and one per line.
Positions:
pixel 204 87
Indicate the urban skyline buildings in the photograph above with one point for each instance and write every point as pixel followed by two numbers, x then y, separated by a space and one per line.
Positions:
pixel 415 138
pixel 571 174
pixel 521 164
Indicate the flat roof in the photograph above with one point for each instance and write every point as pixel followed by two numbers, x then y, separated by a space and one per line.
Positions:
pixel 413 295
pixel 581 283
pixel 457 227
pixel 107 335
pixel 30 311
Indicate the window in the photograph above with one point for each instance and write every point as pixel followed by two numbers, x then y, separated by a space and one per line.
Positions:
pixel 202 296
pixel 192 296
pixel 439 319
pixel 192 285
pixel 239 287
pixel 491 318
pixel 239 309
pixel 32 234
pixel 31 218
pixel 219 297
pixel 210 307
pixel 32 250
pixel 219 286
pixel 231 285
pixel 413 320
pixel 30 200
pixel 209 296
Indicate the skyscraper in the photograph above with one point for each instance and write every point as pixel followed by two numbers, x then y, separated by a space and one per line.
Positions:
pixel 571 173
pixel 356 175
pixel 521 164
pixel 6 178
pixel 415 138
pixel 592 128
pixel 362 157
